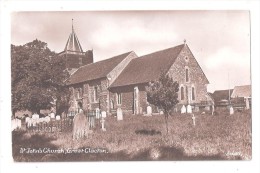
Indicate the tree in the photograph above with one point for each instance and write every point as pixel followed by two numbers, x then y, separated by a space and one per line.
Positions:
pixel 163 93
pixel 38 76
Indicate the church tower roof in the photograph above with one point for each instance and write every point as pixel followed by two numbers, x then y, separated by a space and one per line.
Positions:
pixel 73 44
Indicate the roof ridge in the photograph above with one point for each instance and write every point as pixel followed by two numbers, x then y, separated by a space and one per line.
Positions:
pixel 161 50
pixel 105 59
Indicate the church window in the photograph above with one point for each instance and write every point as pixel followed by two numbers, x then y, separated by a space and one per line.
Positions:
pixel 187 79
pixel 193 93
pixel 119 98
pixel 182 93
pixel 80 61
pixel 95 93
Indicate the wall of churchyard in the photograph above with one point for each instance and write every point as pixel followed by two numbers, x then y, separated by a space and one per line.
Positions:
pixel 197 79
pixel 120 67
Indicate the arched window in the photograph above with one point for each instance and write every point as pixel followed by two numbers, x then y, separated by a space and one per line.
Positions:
pixel 182 93
pixel 193 93
pixel 187 75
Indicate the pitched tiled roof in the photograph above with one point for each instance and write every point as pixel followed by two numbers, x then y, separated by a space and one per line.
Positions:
pixel 96 70
pixel 242 91
pixel 219 95
pixel 147 67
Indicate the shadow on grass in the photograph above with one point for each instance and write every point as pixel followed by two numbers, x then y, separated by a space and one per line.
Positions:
pixel 148 132
pixel 26 147
pixel 36 141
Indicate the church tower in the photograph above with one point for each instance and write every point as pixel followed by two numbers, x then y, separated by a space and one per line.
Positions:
pixel 73 53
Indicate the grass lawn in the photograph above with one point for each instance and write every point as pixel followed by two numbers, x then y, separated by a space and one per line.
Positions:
pixel 220 137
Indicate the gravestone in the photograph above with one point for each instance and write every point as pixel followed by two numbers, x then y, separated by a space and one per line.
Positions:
pixel 52 115
pixel 196 109
pixel 231 110
pixel 193 120
pixel 103 114
pixel 161 113
pixel 149 110
pixel 119 114
pixel 58 117
pixel 183 109
pixel 35 116
pixel 189 110
pixel 207 108
pixel 47 119
pixel 97 113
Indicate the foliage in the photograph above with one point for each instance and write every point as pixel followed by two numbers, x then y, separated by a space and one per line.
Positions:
pixel 163 93
pixel 37 77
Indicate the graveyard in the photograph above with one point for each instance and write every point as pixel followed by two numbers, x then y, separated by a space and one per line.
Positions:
pixel 196 136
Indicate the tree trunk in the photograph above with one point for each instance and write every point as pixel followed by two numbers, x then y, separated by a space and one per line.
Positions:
pixel 166 121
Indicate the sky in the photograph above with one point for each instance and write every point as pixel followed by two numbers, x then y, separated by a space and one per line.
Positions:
pixel 219 40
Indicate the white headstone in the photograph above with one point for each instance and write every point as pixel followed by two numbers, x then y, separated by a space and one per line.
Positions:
pixel 183 109
pixel 35 116
pixel 231 110
pixel 27 119
pixel 58 117
pixel 119 114
pixel 97 113
pixel 19 124
pixel 52 115
pixel 103 114
pixel 161 112
pixel 189 110
pixel 149 110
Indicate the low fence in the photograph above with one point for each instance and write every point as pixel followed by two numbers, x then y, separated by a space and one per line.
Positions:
pixel 63 124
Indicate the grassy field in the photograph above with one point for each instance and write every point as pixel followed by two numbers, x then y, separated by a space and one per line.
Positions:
pixel 220 137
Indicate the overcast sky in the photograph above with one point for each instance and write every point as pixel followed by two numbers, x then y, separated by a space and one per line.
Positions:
pixel 219 40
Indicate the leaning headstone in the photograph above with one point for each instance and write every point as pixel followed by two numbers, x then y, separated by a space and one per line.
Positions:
pixel 189 110
pixel 149 110
pixel 231 110
pixel 119 114
pixel 183 109
pixel 80 126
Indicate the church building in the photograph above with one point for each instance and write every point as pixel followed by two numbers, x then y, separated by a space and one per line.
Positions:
pixel 120 81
